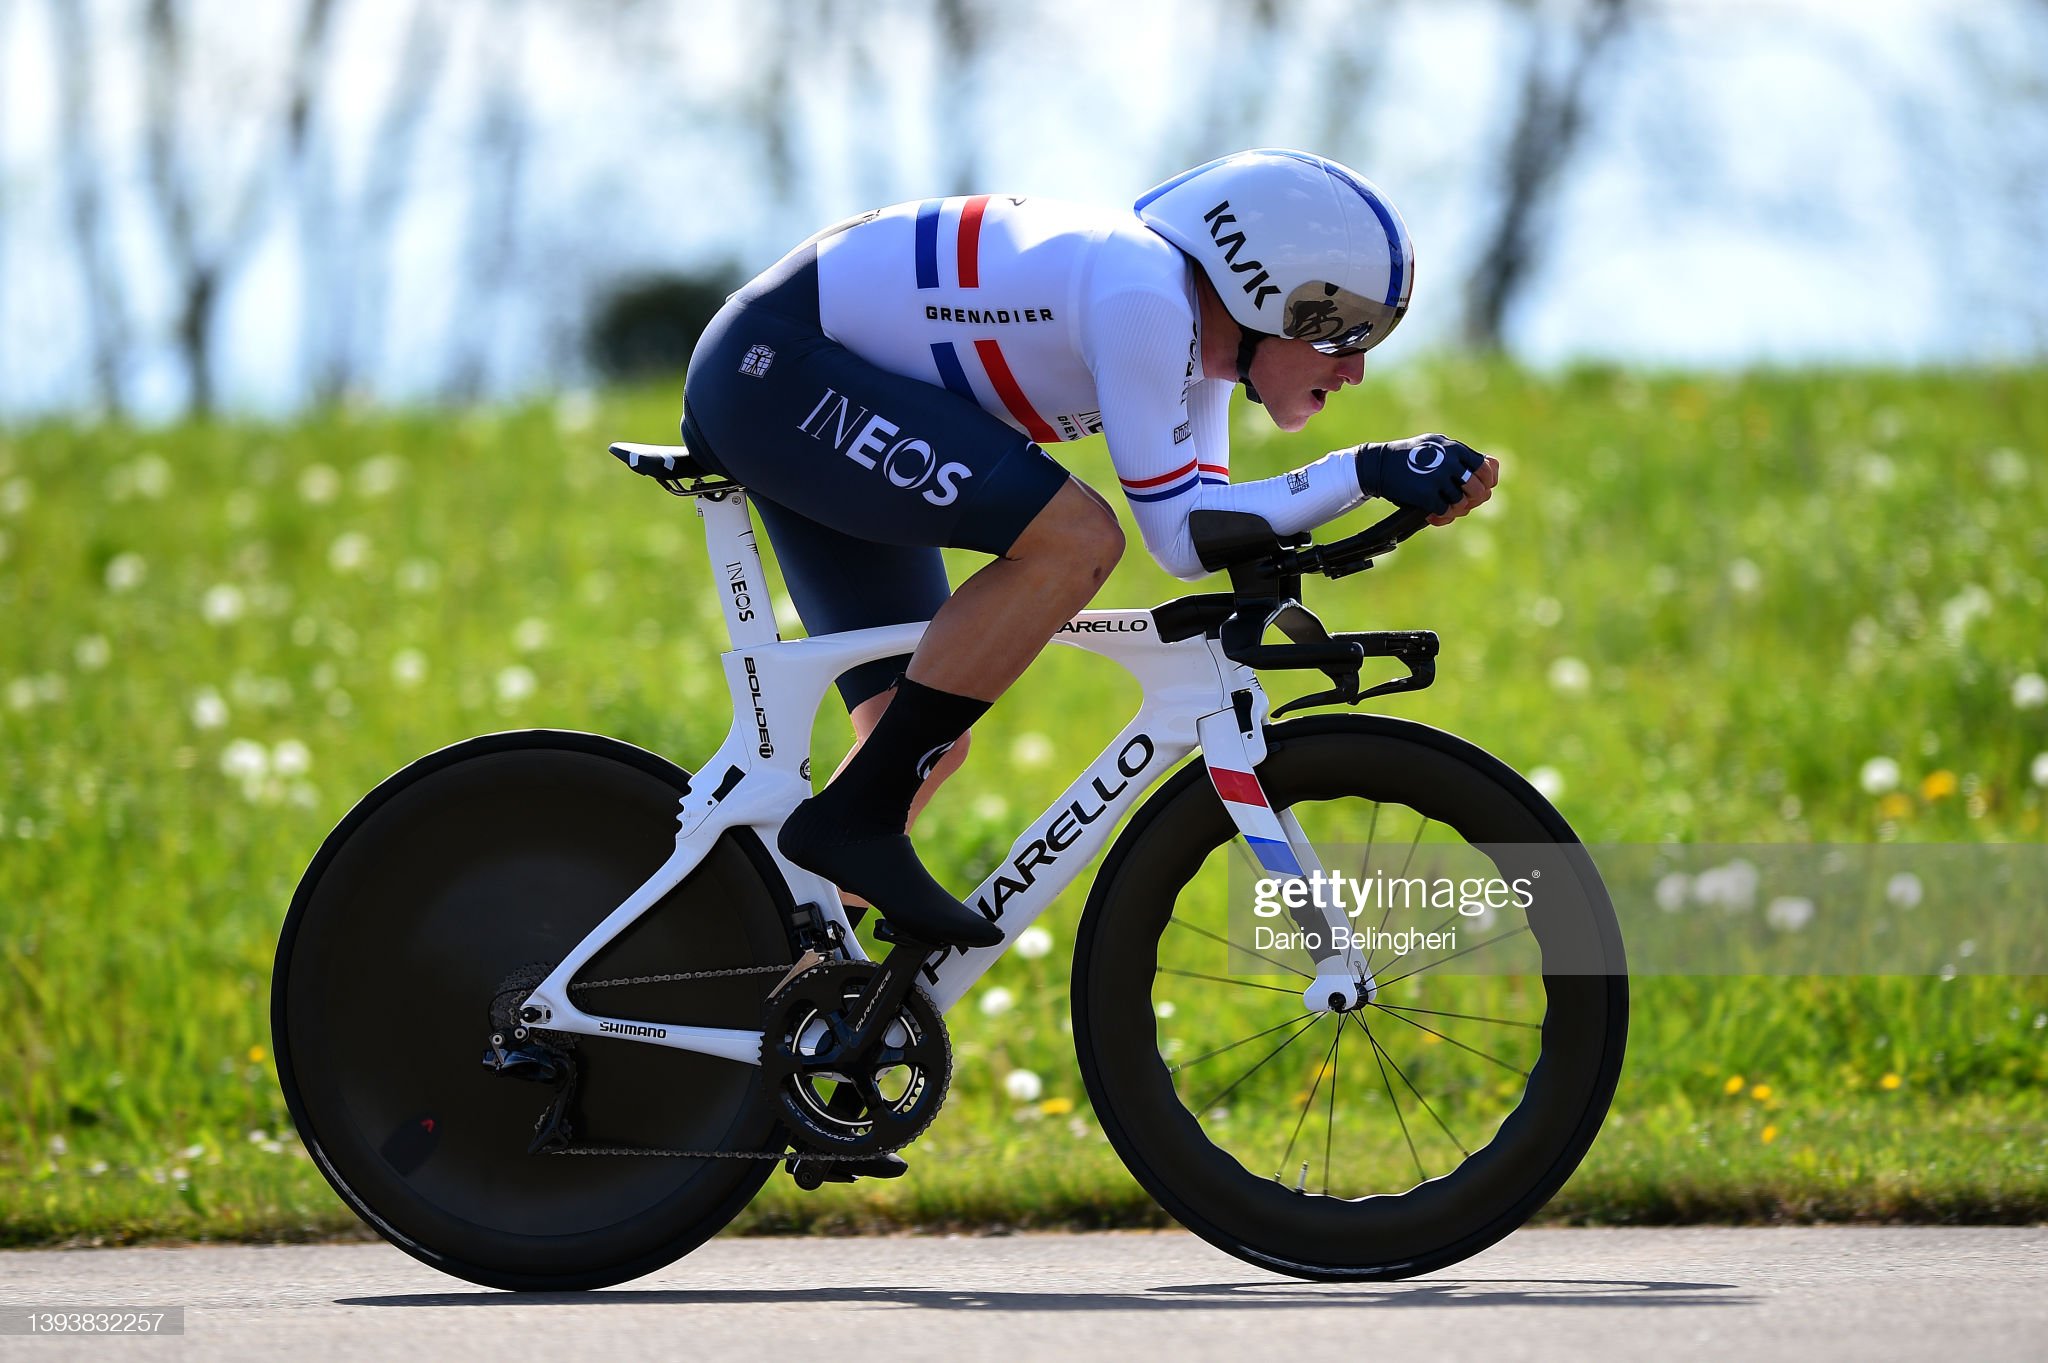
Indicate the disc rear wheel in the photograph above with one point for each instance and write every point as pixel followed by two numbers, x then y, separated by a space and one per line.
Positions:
pixel 482 864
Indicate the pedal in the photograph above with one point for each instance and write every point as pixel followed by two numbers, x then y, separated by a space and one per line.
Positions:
pixel 813 1174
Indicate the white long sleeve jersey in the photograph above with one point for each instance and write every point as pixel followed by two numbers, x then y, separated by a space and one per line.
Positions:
pixel 1065 321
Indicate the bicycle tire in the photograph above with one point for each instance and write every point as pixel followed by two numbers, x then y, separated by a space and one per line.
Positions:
pixel 493 855
pixel 1181 1157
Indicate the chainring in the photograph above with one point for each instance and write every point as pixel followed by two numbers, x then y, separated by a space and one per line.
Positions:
pixel 833 1102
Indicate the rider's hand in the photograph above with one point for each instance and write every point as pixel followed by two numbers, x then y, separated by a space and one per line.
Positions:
pixel 1432 473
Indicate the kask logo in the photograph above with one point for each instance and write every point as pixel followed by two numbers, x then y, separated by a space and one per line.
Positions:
pixel 871 440
pixel 1426 457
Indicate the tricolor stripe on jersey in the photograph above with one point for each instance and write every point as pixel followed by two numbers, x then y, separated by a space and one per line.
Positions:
pixel 1180 480
pixel 967 270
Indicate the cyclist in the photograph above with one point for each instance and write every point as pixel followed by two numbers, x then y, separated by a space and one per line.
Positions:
pixel 889 387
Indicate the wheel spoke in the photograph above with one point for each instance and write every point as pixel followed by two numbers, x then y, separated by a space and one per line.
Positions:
pixel 1388 1057
pixel 1461 951
pixel 1231 1088
pixel 1219 937
pixel 1393 1101
pixel 1468 1017
pixel 1441 1036
pixel 1207 1055
pixel 1407 861
pixel 1330 1118
pixel 1322 1068
pixel 1230 979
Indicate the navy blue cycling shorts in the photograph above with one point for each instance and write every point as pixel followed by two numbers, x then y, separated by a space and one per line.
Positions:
pixel 860 476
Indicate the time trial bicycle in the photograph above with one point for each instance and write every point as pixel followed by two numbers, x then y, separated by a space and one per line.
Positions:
pixel 548 1009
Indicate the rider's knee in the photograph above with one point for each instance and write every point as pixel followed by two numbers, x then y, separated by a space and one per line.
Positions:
pixel 1082 533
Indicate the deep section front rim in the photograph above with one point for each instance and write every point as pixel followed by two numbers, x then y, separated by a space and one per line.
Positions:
pixel 1526 1077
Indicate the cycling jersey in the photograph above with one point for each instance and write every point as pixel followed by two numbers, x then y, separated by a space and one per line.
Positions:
pixel 889 387
pixel 1064 321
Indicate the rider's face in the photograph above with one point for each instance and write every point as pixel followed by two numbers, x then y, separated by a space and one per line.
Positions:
pixel 1295 379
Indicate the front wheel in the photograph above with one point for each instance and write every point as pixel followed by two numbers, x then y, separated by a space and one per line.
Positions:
pixel 1413 1131
pixel 453 888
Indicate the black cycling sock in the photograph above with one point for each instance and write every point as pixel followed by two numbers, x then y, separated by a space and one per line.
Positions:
pixel 872 796
pixel 851 832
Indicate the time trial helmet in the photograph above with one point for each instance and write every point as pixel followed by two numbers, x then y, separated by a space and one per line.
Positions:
pixel 1295 245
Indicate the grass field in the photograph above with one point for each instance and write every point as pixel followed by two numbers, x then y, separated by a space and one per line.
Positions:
pixel 1782 607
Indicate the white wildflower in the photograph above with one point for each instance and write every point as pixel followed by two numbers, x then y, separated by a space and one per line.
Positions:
pixel 223 604
pixel 530 634
pixel 1731 888
pixel 209 711
pixel 379 475
pixel 997 1001
pixel 245 760
pixel 152 476
pixel 516 683
pixel 125 572
pixel 2039 769
pixel 1033 942
pixel 1879 775
pixel 1023 1086
pixel 290 758
pixel 1789 913
pixel 409 667
pixel 318 484
pixel 1745 577
pixel 92 653
pixel 1673 889
pixel 349 552
pixel 2029 691
pixel 1549 782
pixel 1031 750
pixel 1905 890
pixel 1571 675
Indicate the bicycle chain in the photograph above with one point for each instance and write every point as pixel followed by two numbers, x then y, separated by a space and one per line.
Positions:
pixel 676 977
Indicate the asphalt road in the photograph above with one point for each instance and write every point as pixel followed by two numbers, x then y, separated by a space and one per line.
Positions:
pixel 1796 1293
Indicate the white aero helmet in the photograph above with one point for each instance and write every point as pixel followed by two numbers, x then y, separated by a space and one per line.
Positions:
pixel 1294 244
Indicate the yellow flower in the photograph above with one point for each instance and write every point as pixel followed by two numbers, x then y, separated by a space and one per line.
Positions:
pixel 1770 1133
pixel 1761 1093
pixel 1733 1086
pixel 255 1055
pixel 1895 805
pixel 1889 1082
pixel 1056 1107
pixel 1938 785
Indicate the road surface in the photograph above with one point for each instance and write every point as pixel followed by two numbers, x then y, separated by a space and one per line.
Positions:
pixel 1812 1294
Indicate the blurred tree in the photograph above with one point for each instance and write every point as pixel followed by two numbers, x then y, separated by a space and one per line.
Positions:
pixel 498 153
pixel 201 260
pixel 1561 50
pixel 649 326
pixel 79 152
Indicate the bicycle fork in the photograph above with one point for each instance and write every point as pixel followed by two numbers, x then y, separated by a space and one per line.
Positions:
pixel 1233 745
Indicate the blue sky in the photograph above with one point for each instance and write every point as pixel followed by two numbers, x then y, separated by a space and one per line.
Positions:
pixel 1783 182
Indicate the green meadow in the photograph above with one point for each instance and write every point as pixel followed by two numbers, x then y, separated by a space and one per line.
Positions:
pixel 1767 608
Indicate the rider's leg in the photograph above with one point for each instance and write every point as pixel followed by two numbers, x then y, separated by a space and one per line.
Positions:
pixel 978 643
pixel 1001 618
pixel 864 717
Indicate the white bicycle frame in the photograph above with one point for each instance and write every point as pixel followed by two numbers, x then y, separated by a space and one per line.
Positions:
pixel 762 771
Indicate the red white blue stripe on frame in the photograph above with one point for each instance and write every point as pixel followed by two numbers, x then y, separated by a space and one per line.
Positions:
pixel 1242 788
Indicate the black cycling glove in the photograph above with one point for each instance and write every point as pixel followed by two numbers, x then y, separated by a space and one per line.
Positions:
pixel 1421 473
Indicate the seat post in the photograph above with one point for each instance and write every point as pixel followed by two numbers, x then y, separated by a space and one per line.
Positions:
pixel 736 567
